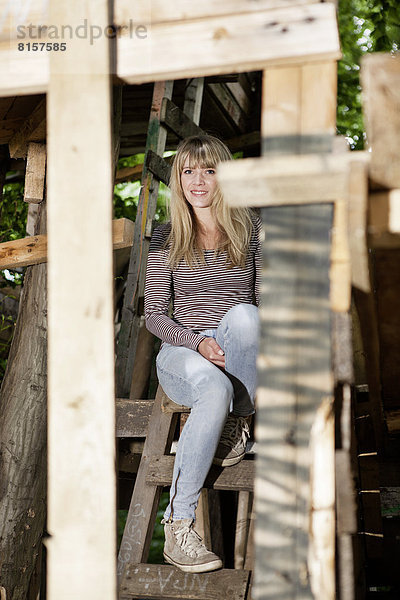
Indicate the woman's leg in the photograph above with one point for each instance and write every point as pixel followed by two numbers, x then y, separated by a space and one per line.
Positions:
pixel 190 379
pixel 237 334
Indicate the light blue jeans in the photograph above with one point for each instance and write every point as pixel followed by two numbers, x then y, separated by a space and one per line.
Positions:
pixel 211 392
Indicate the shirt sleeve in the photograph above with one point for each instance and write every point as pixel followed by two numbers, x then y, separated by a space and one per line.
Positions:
pixel 158 294
pixel 257 258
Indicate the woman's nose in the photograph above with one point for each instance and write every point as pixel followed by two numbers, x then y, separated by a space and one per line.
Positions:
pixel 199 178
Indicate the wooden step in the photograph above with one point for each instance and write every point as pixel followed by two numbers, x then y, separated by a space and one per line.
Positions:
pixel 168 583
pixel 239 477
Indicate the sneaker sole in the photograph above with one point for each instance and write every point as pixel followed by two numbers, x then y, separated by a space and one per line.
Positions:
pixel 228 462
pixel 211 566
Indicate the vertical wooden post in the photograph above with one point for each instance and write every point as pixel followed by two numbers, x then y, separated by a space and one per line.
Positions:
pixel 82 507
pixel 298 116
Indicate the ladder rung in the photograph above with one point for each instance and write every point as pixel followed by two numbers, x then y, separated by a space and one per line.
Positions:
pixel 240 477
pixel 168 583
pixel 132 418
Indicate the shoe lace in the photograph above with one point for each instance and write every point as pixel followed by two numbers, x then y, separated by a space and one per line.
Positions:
pixel 236 431
pixel 189 540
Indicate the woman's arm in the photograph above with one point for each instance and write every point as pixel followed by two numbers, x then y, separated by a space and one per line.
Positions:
pixel 158 294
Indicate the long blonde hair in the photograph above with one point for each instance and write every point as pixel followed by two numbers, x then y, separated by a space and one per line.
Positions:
pixel 234 224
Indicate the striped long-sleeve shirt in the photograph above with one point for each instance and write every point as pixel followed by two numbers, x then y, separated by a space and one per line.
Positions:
pixel 201 295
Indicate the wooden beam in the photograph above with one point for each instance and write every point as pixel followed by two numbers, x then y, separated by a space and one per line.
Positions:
pixel 32 129
pixel 163 581
pixel 81 546
pixel 160 168
pixel 35 173
pixel 229 104
pixel 129 174
pixel 380 79
pixel 176 120
pixel 158 12
pixel 240 477
pixel 285 35
pixel 32 250
pixel 283 180
pixel 295 355
pixel 384 219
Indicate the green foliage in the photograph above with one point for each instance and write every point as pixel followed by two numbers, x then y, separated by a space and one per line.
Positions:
pixel 364 26
pixel 13 212
pixel 126 195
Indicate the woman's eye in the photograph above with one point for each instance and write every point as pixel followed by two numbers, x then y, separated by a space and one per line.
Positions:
pixel 187 171
pixel 210 171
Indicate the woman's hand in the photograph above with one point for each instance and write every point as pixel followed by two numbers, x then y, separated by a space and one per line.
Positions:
pixel 212 352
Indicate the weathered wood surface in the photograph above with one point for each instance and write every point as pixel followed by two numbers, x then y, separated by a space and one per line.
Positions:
pixel 132 418
pixel 32 250
pixel 294 376
pixel 357 226
pixel 81 427
pixel 158 12
pixel 238 477
pixel 177 121
pixel 144 503
pixel 380 79
pixel 169 583
pixel 23 413
pixel 35 173
pixel 270 37
pixel 283 180
pixel 387 285
pixel 384 219
pixel 130 319
pixel 295 350
pixel 32 129
pixel 160 168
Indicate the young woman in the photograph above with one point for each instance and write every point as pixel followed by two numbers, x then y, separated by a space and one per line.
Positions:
pixel 206 261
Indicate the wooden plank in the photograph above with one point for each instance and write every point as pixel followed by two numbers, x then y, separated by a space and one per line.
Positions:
pixel 380 79
pixel 129 174
pixel 35 173
pixel 295 354
pixel 26 72
pixel 384 219
pixel 132 417
pixel 32 129
pixel 158 166
pixel 81 396
pixel 169 583
pixel 321 559
pixel 357 215
pixel 130 319
pixel 176 120
pixel 157 11
pixel 144 503
pixel 32 250
pixel 387 285
pixel 278 180
pixel 228 103
pixel 194 99
pixel 239 477
pixel 270 37
pixel 393 420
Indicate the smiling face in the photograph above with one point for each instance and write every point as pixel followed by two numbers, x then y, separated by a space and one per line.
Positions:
pixel 198 184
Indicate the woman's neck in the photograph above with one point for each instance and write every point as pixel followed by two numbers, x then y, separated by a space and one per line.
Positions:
pixel 207 229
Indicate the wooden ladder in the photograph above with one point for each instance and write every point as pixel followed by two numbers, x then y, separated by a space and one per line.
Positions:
pixel 141 580
pixel 157 420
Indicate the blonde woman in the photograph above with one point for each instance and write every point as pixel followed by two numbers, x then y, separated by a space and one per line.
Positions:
pixel 207 262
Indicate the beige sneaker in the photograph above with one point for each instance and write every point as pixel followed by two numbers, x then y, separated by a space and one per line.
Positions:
pixel 232 445
pixel 184 548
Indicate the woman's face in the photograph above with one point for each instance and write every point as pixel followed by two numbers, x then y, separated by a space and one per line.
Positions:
pixel 198 185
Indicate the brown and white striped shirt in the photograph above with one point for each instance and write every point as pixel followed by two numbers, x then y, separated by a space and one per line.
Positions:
pixel 201 295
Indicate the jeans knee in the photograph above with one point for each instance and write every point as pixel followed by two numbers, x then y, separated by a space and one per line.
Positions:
pixel 244 319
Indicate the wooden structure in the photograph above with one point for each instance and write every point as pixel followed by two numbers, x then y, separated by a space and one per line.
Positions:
pixel 323 208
